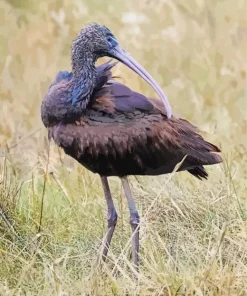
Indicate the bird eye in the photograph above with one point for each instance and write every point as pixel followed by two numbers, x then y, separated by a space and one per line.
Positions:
pixel 112 41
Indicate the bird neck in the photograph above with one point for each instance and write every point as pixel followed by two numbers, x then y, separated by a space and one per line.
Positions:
pixel 83 67
pixel 66 104
pixel 84 79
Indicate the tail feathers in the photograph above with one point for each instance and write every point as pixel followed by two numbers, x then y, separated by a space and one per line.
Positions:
pixel 192 144
pixel 199 172
pixel 213 148
pixel 198 158
pixel 206 154
pixel 204 158
pixel 202 152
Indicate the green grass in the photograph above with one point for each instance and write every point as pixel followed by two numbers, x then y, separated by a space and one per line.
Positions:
pixel 193 234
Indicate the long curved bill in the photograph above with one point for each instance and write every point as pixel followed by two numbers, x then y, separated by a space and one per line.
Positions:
pixel 119 54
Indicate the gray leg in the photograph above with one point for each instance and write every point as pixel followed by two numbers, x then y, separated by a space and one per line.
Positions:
pixel 111 217
pixel 134 222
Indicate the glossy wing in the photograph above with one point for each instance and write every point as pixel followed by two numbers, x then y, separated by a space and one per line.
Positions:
pixel 125 133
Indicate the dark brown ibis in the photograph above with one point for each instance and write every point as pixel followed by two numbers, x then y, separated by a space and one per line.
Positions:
pixel 114 131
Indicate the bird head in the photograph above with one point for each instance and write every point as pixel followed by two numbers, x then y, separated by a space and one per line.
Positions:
pixel 96 41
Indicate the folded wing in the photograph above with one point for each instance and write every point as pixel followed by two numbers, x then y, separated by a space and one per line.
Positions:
pixel 125 133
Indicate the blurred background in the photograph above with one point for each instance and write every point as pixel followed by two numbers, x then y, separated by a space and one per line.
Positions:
pixel 196 50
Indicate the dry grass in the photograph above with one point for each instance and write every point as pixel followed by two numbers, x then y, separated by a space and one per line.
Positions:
pixel 193 234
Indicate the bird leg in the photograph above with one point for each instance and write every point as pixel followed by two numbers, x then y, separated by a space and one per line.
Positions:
pixel 111 217
pixel 134 222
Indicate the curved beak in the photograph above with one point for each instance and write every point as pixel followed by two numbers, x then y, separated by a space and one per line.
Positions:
pixel 119 54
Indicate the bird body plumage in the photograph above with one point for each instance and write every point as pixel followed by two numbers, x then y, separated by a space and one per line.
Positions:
pixel 124 133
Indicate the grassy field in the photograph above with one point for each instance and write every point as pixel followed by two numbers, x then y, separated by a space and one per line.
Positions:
pixel 193 234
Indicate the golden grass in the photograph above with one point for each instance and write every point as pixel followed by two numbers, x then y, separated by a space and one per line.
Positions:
pixel 193 234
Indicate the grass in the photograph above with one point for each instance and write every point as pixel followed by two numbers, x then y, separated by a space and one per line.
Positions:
pixel 193 234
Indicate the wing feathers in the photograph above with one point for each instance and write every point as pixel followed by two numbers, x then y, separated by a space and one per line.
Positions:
pixel 125 133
